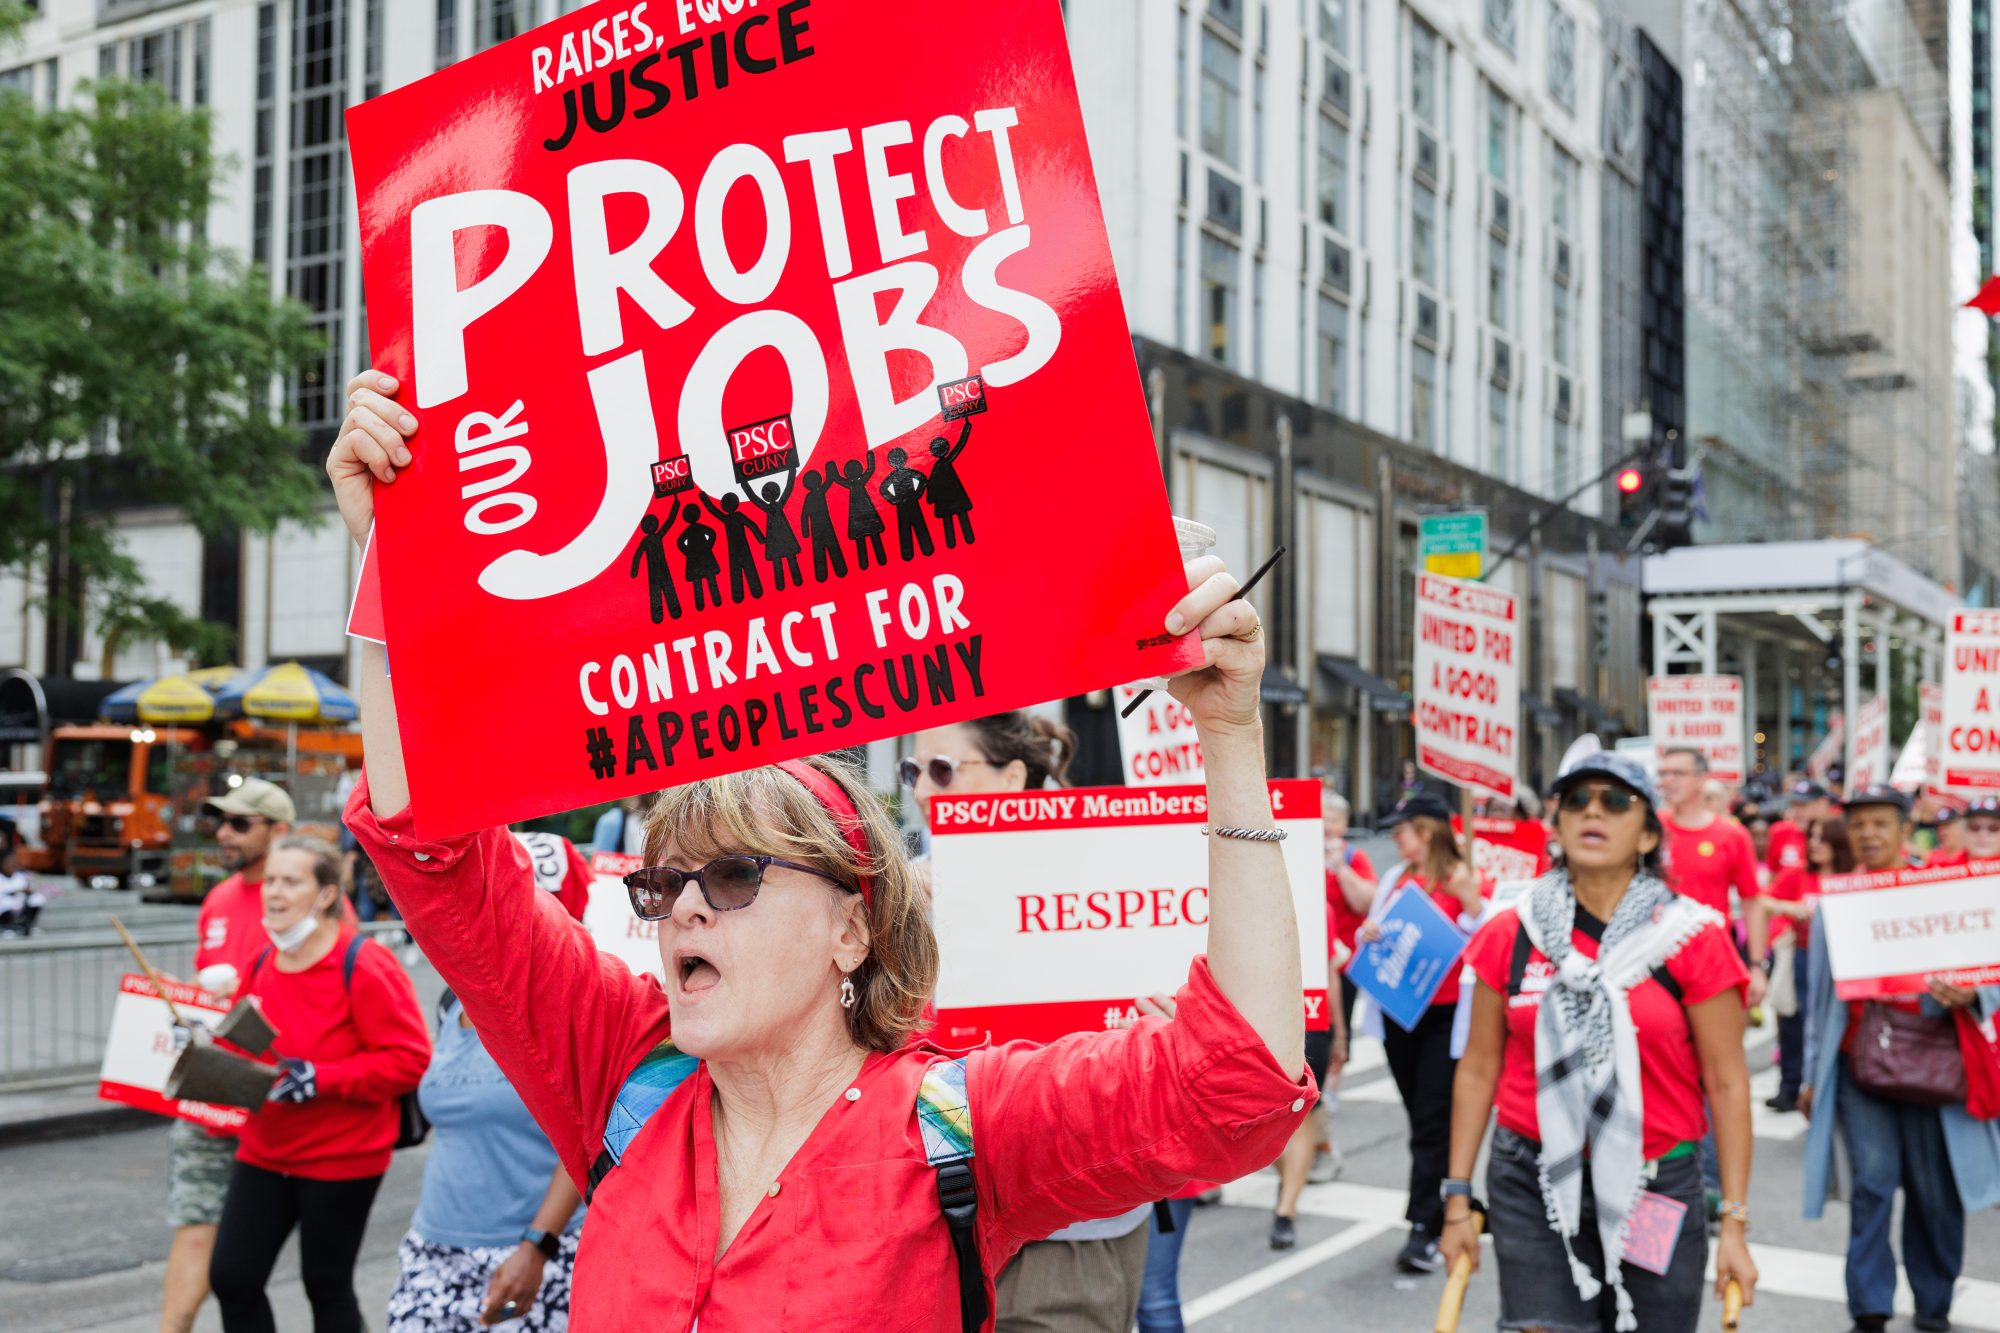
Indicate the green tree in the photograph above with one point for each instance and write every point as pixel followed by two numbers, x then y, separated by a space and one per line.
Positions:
pixel 138 365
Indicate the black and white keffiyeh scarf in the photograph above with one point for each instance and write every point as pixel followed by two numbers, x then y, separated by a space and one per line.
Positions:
pixel 1587 1091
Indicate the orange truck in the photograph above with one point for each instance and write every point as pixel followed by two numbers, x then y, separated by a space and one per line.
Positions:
pixel 122 801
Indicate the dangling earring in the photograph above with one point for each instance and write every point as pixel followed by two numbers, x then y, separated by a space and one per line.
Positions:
pixel 847 992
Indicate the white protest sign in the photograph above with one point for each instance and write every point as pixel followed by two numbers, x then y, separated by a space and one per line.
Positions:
pixel 1889 931
pixel 1158 744
pixel 1056 911
pixel 141 1048
pixel 1930 735
pixel 1868 760
pixel 1467 683
pixel 1970 752
pixel 1702 713
pixel 609 917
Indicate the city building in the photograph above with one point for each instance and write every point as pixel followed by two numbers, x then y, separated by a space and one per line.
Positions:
pixel 1370 259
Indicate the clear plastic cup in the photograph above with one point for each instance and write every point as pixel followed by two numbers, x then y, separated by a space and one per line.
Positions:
pixel 1196 539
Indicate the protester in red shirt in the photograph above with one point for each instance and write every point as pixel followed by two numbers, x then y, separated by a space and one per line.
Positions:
pixel 1607 1017
pixel 1950 849
pixel 1349 873
pixel 782 1178
pixel 1982 829
pixel 1808 804
pixel 229 933
pixel 351 1043
pixel 1707 854
pixel 1789 902
pixel 1420 1058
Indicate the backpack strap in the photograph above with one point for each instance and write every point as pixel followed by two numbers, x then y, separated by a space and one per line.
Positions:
pixel 255 963
pixel 347 961
pixel 645 1091
pixel 944 1114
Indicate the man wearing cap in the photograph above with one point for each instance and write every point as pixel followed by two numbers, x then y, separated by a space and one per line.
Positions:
pixel 229 934
pixel 1807 804
pixel 1946 1163
pixel 1950 847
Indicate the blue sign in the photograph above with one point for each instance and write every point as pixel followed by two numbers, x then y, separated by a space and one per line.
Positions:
pixel 1417 952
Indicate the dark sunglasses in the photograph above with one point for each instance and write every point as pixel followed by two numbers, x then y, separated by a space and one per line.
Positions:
pixel 1616 800
pixel 728 884
pixel 941 769
pixel 238 823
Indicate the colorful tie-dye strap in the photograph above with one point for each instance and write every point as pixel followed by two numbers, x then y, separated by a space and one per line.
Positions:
pixel 944 1114
pixel 646 1090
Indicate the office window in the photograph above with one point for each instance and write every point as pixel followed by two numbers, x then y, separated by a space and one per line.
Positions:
pixel 1499 135
pixel 1332 355
pixel 1502 20
pixel 447 33
pixel 1257 319
pixel 1424 431
pixel 1559 460
pixel 315 192
pixel 1333 145
pixel 1221 95
pixel 1562 189
pixel 1496 282
pixel 1257 124
pixel 1423 72
pixel 1559 323
pixel 1499 457
pixel 18 80
pixel 1333 24
pixel 1220 287
pixel 203 60
pixel 1562 57
pixel 1180 75
pixel 498 20
pixel 1423 233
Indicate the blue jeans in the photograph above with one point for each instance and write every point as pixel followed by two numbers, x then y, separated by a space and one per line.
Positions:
pixel 1160 1295
pixel 1895 1145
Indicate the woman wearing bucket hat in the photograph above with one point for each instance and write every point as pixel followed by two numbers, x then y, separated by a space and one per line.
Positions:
pixel 796 1157
pixel 1609 1010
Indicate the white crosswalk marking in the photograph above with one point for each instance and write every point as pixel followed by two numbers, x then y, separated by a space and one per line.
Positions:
pixel 1376 1211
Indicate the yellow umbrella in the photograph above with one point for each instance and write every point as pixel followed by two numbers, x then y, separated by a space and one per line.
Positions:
pixel 166 700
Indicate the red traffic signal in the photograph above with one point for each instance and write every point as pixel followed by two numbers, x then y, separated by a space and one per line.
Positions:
pixel 1630 480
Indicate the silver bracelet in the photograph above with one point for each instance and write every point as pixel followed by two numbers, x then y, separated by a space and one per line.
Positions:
pixel 1247 834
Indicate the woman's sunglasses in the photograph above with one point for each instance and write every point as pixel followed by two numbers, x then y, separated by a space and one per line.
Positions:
pixel 728 884
pixel 942 769
pixel 1615 800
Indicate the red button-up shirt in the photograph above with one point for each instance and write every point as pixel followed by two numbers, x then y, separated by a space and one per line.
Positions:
pixel 850 1236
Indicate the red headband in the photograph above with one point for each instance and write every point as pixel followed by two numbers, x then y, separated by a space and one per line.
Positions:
pixel 833 797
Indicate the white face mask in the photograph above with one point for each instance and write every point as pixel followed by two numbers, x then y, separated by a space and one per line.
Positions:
pixel 292 936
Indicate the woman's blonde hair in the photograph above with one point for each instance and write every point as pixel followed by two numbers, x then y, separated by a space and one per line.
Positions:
pixel 769 810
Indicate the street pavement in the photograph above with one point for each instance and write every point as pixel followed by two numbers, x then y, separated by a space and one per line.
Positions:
pixel 85 1244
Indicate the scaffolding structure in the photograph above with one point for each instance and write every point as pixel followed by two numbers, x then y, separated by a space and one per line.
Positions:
pixel 1821 400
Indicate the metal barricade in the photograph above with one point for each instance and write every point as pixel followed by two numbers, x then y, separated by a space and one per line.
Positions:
pixel 56 997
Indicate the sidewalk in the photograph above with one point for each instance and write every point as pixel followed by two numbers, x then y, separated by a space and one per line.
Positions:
pixel 63 1113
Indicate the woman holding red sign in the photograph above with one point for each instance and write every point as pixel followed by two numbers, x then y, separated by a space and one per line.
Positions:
pixel 786 1152
pixel 1608 1017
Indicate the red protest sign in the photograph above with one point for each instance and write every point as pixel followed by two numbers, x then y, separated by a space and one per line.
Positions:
pixel 671 476
pixel 622 237
pixel 962 398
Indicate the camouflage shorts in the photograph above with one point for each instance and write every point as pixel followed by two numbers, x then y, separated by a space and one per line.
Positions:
pixel 198 1165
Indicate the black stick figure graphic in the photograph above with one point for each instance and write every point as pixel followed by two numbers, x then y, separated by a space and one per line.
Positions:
pixel 816 526
pixel 652 550
pixel 904 488
pixel 781 543
pixel 739 528
pixel 704 571
pixel 864 521
pixel 947 493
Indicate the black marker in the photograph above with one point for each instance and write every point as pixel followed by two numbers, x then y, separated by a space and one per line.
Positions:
pixel 1241 593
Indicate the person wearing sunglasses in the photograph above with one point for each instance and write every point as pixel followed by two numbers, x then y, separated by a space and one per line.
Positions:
pixel 782 1179
pixel 1089 1275
pixel 1607 1019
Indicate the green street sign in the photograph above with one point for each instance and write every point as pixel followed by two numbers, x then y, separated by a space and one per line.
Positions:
pixel 1453 545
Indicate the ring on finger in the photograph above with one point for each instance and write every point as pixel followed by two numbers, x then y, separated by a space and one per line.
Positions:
pixel 1255 633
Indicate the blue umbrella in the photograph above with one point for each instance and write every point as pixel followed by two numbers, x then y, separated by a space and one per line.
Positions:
pixel 287 692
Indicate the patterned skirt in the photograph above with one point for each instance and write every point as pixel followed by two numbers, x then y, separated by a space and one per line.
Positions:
pixel 441 1289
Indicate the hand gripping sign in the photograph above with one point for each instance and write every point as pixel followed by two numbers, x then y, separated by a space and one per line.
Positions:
pixel 865 293
pixel 1056 911
pixel 1888 931
pixel 141 1047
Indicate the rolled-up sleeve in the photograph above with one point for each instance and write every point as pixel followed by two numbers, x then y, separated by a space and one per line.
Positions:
pixel 565 1022
pixel 1094 1124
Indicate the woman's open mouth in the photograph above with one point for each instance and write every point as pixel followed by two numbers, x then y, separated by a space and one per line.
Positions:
pixel 696 973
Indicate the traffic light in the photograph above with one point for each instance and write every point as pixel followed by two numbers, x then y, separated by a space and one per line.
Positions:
pixel 1676 510
pixel 1635 484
